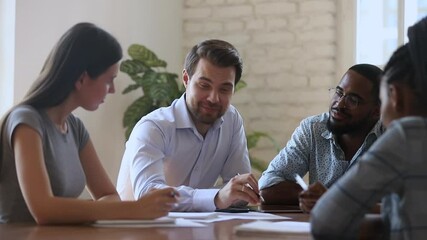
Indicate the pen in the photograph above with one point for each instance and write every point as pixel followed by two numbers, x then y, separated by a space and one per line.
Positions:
pixel 301 182
pixel 249 186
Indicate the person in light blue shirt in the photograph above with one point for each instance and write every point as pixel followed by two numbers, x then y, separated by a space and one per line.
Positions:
pixel 327 145
pixel 196 140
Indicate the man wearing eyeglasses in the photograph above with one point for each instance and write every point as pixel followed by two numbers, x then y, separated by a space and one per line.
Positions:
pixel 327 145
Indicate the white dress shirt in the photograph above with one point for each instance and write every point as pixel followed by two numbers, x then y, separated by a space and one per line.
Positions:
pixel 165 149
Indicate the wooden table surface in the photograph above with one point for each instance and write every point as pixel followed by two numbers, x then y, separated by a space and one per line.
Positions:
pixel 218 230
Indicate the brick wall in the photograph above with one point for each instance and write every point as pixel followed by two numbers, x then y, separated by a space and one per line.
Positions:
pixel 289 53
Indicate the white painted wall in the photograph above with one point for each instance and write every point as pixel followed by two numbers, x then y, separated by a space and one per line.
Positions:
pixel 154 23
pixel 7 43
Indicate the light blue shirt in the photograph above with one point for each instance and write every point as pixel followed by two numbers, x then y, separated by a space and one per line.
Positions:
pixel 165 149
pixel 312 148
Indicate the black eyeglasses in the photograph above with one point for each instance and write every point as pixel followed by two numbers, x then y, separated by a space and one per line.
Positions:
pixel 351 101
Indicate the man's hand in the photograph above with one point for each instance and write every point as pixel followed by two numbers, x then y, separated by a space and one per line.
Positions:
pixel 240 188
pixel 283 193
pixel 308 198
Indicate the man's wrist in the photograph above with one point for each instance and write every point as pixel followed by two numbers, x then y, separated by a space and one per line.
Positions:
pixel 218 202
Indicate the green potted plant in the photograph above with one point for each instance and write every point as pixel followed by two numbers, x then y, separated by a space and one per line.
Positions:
pixel 252 141
pixel 159 88
pixel 148 73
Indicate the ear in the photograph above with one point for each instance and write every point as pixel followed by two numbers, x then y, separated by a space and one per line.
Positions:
pixel 80 82
pixel 377 112
pixel 395 95
pixel 185 78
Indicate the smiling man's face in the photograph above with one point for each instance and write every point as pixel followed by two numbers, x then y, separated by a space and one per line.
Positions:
pixel 346 119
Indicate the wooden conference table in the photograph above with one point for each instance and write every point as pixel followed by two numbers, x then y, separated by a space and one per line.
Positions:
pixel 222 230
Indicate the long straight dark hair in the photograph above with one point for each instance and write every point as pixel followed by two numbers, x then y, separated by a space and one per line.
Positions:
pixel 83 48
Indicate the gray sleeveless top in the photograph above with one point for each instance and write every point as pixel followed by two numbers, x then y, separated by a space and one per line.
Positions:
pixel 61 155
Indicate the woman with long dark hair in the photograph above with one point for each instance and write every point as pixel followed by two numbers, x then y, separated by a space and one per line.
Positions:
pixel 47 157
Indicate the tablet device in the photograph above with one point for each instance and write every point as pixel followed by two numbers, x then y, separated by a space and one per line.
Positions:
pixel 233 210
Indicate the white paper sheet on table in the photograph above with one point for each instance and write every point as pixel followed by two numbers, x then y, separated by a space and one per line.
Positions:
pixel 267 227
pixel 188 219
pixel 249 215
pixel 193 215
pixel 159 222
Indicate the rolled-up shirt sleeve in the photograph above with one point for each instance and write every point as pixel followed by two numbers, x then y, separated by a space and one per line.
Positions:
pixel 293 158
pixel 145 150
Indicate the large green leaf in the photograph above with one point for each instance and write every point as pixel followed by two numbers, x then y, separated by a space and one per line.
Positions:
pixel 252 141
pixel 172 82
pixel 147 80
pixel 254 137
pixel 140 107
pixel 161 96
pixel 164 90
pixel 132 67
pixel 129 130
pixel 143 54
pixel 174 77
pixel 130 88
pixel 241 84
pixel 257 164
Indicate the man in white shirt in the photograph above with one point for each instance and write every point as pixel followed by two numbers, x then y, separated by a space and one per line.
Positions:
pixel 197 139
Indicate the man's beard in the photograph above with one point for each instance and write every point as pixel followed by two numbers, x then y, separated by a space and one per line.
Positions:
pixel 340 129
pixel 207 118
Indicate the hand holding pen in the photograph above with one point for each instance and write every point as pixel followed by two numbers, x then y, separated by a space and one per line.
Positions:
pixel 241 188
pixel 309 196
pixel 250 187
pixel 300 182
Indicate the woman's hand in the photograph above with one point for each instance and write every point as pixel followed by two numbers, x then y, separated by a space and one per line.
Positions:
pixel 157 203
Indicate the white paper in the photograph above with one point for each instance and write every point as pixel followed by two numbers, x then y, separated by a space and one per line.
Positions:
pixel 274 227
pixel 249 215
pixel 160 222
pixel 193 215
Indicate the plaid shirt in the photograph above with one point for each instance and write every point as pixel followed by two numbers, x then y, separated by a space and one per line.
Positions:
pixel 395 170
